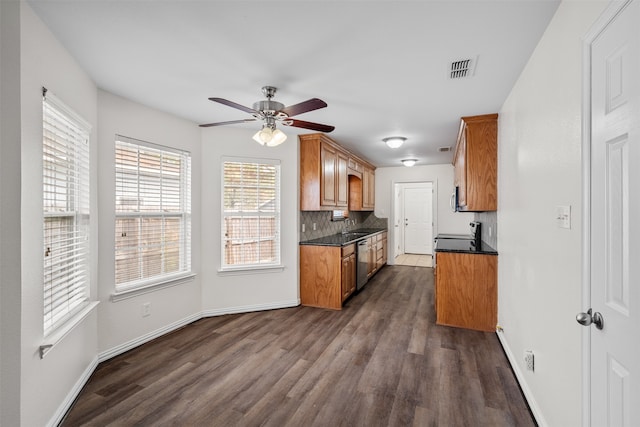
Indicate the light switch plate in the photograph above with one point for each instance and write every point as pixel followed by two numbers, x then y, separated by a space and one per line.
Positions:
pixel 563 216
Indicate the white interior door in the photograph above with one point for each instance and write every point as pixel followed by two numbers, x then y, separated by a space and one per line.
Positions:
pixel 418 219
pixel 614 220
pixel 398 221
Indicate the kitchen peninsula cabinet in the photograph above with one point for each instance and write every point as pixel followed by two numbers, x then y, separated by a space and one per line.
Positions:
pixel 332 178
pixel 476 163
pixel 327 275
pixel 329 266
pixel 466 290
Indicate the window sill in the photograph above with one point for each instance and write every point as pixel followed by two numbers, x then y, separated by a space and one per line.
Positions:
pixel 151 287
pixel 58 334
pixel 251 270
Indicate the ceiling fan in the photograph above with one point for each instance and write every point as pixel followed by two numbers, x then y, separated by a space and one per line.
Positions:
pixel 270 112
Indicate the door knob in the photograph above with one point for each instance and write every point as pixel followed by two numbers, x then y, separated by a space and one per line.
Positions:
pixel 586 319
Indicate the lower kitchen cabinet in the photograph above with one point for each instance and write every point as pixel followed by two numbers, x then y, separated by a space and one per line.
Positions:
pixel 348 284
pixel 327 275
pixel 466 290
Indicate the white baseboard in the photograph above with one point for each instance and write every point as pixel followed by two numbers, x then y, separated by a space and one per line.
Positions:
pixel 533 404
pixel 129 345
pixel 71 396
pixel 250 308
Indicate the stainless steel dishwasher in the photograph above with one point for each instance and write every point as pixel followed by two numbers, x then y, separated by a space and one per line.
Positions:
pixel 362 268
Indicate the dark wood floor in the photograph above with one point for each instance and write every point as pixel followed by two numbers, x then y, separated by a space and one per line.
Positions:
pixel 381 361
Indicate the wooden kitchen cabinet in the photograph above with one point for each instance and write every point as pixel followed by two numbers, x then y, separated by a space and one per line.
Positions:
pixel 476 163
pixel 348 284
pixel 327 275
pixel 381 250
pixel 324 183
pixel 368 189
pixel 466 290
pixel 377 256
pixel 332 177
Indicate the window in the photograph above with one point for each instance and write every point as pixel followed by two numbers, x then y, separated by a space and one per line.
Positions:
pixel 251 213
pixel 65 179
pixel 153 214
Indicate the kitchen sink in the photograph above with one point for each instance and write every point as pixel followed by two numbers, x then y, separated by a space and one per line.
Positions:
pixel 355 234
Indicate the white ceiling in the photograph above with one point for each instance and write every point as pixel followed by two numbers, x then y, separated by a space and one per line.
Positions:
pixel 381 66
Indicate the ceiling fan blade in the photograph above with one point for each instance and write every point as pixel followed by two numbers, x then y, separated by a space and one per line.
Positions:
pixel 232 122
pixel 308 125
pixel 303 107
pixel 234 105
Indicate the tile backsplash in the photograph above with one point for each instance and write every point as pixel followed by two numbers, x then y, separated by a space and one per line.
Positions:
pixel 326 227
pixel 488 220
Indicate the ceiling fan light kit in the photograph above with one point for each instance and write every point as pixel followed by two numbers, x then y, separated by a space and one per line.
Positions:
pixel 269 137
pixel 270 112
pixel 409 162
pixel 394 141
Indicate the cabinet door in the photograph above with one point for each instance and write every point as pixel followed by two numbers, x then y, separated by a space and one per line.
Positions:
pixel 348 276
pixel 481 166
pixel 328 164
pixel 371 259
pixel 368 189
pixel 460 174
pixel 342 180
pixel 384 248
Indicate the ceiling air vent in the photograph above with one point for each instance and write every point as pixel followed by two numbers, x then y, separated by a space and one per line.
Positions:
pixel 462 68
pixel 444 149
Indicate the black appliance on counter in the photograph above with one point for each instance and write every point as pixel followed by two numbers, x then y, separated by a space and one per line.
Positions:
pixel 475 234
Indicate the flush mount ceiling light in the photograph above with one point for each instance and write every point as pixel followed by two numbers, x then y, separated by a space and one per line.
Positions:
pixel 409 162
pixel 394 141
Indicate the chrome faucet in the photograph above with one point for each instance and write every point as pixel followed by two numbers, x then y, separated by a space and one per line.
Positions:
pixel 345 225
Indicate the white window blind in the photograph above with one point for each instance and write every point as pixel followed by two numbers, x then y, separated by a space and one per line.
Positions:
pixel 65 174
pixel 251 213
pixel 153 213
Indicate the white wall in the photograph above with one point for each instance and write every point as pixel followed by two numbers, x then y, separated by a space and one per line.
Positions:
pixel 121 322
pixel 232 293
pixel 46 383
pixel 10 286
pixel 540 264
pixel 445 221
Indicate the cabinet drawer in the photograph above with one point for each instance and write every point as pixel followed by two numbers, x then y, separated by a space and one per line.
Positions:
pixel 348 250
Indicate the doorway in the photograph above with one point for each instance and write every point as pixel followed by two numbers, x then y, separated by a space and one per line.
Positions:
pixel 413 223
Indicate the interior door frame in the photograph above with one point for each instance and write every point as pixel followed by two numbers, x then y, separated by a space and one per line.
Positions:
pixel 613 9
pixel 395 235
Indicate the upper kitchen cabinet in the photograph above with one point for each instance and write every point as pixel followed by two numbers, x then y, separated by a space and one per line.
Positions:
pixel 476 163
pixel 325 182
pixel 323 174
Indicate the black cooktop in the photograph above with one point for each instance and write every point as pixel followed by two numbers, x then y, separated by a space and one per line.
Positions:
pixel 467 246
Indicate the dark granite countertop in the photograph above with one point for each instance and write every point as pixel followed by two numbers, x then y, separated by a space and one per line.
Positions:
pixel 340 239
pixel 466 246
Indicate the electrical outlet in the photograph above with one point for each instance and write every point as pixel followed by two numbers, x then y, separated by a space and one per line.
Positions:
pixel 314 226
pixel 529 360
pixel 146 309
pixel 303 228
